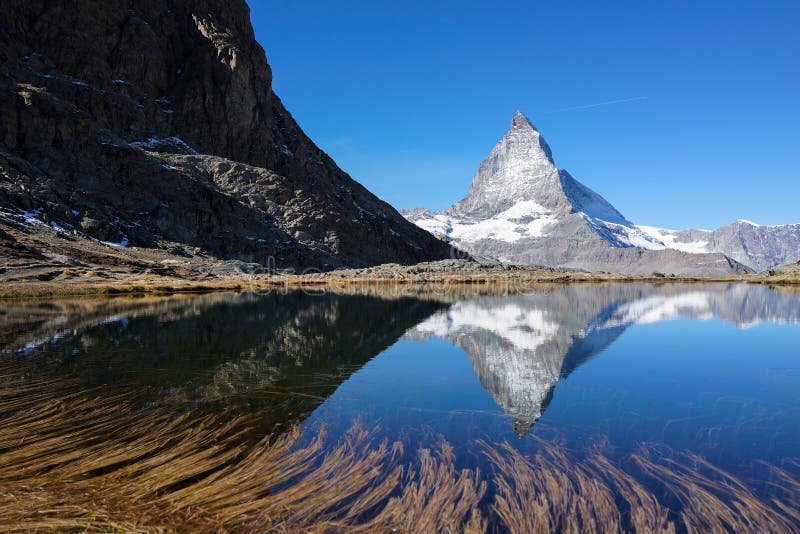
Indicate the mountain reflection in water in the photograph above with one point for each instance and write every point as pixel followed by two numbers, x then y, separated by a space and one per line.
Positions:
pixel 520 346
pixel 285 354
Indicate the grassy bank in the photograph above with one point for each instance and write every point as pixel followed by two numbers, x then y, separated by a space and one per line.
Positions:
pixel 54 290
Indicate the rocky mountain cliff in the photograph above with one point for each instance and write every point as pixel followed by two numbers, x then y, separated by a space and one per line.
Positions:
pixel 522 209
pixel 153 125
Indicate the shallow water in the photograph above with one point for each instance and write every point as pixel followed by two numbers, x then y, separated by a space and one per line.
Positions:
pixel 713 369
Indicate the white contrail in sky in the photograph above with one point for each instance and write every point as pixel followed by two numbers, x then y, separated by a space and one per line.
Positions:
pixel 597 105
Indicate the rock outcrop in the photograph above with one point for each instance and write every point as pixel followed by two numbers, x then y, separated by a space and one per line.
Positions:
pixel 154 124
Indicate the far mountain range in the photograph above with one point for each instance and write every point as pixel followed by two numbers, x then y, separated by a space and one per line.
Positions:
pixel 522 209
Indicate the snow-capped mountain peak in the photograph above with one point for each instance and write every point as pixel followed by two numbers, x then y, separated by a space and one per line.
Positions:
pixel 521 208
pixel 520 122
pixel 518 194
pixel 755 245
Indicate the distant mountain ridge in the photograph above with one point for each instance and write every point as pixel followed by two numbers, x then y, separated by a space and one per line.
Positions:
pixel 522 209
pixel 757 246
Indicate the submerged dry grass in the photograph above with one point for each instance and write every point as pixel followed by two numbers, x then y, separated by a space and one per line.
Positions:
pixel 74 460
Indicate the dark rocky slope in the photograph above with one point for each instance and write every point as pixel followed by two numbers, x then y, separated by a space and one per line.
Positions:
pixel 153 124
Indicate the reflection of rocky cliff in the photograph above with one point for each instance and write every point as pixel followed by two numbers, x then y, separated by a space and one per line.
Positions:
pixel 520 346
pixel 282 354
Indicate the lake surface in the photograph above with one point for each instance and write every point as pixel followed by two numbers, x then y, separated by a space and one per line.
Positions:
pixel 711 369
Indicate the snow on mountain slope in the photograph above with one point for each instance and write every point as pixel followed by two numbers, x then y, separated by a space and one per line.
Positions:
pixel 675 239
pixel 526 218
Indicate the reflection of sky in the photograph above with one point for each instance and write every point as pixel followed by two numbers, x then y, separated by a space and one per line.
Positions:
pixel 704 386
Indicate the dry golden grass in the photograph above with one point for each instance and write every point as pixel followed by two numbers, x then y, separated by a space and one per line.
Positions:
pixel 74 460
pixel 715 501
pixel 125 283
pixel 548 493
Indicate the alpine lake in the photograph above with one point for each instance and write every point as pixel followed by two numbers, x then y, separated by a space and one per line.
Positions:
pixel 566 407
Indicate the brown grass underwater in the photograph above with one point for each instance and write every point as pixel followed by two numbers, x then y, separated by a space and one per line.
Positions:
pixel 73 459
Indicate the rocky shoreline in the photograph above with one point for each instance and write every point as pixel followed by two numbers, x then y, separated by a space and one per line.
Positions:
pixel 51 278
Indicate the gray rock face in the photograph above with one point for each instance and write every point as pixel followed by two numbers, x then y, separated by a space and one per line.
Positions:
pixel 155 124
pixel 754 245
pixel 523 155
pixel 522 209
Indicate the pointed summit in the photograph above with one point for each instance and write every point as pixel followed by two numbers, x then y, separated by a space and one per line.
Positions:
pixel 519 120
pixel 526 133
pixel 523 209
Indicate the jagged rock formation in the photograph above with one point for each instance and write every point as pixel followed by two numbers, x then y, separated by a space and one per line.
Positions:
pixel 754 245
pixel 521 346
pixel 522 209
pixel 154 124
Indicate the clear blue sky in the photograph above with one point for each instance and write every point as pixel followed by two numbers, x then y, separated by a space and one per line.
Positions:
pixel 409 97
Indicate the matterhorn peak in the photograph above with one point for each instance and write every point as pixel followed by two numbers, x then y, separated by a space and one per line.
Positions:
pixel 519 167
pixel 521 208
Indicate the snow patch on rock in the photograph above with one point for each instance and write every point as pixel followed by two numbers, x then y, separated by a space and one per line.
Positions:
pixel 524 219
pixel 167 144
pixel 670 240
